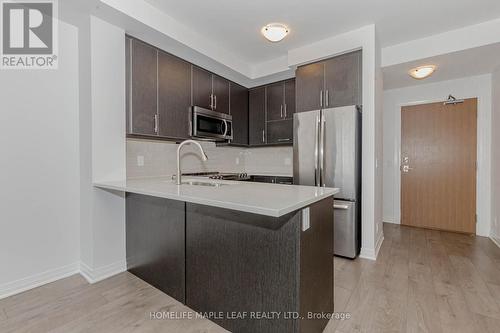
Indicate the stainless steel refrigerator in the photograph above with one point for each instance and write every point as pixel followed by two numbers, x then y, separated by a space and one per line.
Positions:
pixel 327 152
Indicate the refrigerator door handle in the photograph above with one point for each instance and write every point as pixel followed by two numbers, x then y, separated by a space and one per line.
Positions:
pixel 316 152
pixel 322 152
pixel 341 207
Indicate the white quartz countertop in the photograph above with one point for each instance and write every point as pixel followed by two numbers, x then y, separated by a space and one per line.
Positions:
pixel 257 198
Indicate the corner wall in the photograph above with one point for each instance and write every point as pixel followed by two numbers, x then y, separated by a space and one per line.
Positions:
pixel 495 158
pixel 103 225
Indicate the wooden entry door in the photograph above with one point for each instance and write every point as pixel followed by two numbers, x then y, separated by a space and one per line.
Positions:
pixel 438 166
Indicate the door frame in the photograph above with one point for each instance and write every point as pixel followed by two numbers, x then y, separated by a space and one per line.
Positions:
pixel 481 159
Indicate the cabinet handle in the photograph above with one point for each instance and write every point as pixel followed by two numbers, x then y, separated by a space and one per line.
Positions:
pixel 284 140
pixel 327 97
pixel 156 123
pixel 285 110
pixel 321 98
pixel 263 136
pixel 281 110
pixel 215 97
pixel 212 101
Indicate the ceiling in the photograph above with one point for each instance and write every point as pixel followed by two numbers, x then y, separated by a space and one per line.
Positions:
pixel 471 62
pixel 235 25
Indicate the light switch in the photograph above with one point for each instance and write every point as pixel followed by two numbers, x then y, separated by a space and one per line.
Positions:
pixel 288 161
pixel 306 222
pixel 140 160
pixel 237 161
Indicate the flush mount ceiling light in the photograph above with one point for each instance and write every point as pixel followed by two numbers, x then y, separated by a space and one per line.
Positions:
pixel 275 32
pixel 422 72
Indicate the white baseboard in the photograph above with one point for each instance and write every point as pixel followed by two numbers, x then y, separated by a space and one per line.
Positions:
pixel 104 272
pixel 495 240
pixel 37 280
pixel 390 220
pixel 371 254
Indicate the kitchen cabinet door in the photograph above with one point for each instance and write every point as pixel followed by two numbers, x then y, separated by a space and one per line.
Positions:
pixel 239 112
pixel 257 116
pixel 221 92
pixel 174 100
pixel 280 132
pixel 275 101
pixel 343 80
pixel 143 104
pixel 202 88
pixel 155 242
pixel 310 83
pixel 289 99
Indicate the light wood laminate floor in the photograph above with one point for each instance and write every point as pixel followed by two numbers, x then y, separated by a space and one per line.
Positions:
pixel 423 281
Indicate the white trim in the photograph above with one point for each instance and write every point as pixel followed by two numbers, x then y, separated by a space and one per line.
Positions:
pixel 37 280
pixel 495 239
pixel 390 220
pixel 372 254
pixel 104 272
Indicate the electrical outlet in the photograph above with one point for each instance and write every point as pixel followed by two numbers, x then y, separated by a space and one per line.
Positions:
pixel 288 161
pixel 140 160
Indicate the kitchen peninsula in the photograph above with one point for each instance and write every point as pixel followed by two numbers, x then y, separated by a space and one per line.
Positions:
pixel 241 250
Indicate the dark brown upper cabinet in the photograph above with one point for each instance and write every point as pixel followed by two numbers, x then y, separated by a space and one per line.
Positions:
pixel 210 91
pixel 202 88
pixel 221 94
pixel 280 132
pixel 310 83
pixel 174 96
pixel 331 83
pixel 143 89
pixel 343 80
pixel 275 100
pixel 239 110
pixel 271 114
pixel 257 116
pixel 289 98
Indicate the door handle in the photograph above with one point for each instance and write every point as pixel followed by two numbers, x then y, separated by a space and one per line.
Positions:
pixel 316 152
pixel 406 168
pixel 341 207
pixel 225 128
pixel 322 152
pixel 156 123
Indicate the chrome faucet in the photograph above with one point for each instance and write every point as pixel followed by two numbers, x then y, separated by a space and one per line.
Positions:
pixel 183 143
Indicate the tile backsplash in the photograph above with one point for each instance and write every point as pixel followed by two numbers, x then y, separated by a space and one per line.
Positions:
pixel 149 158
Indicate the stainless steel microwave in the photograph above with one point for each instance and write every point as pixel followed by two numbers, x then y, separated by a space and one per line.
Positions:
pixel 208 124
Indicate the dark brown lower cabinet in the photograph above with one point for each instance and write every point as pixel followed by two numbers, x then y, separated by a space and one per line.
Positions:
pixel 246 264
pixel 155 242
pixel 255 273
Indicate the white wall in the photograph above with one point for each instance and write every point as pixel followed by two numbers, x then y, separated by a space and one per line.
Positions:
pixel 495 158
pixel 39 177
pixel 478 86
pixel 103 229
